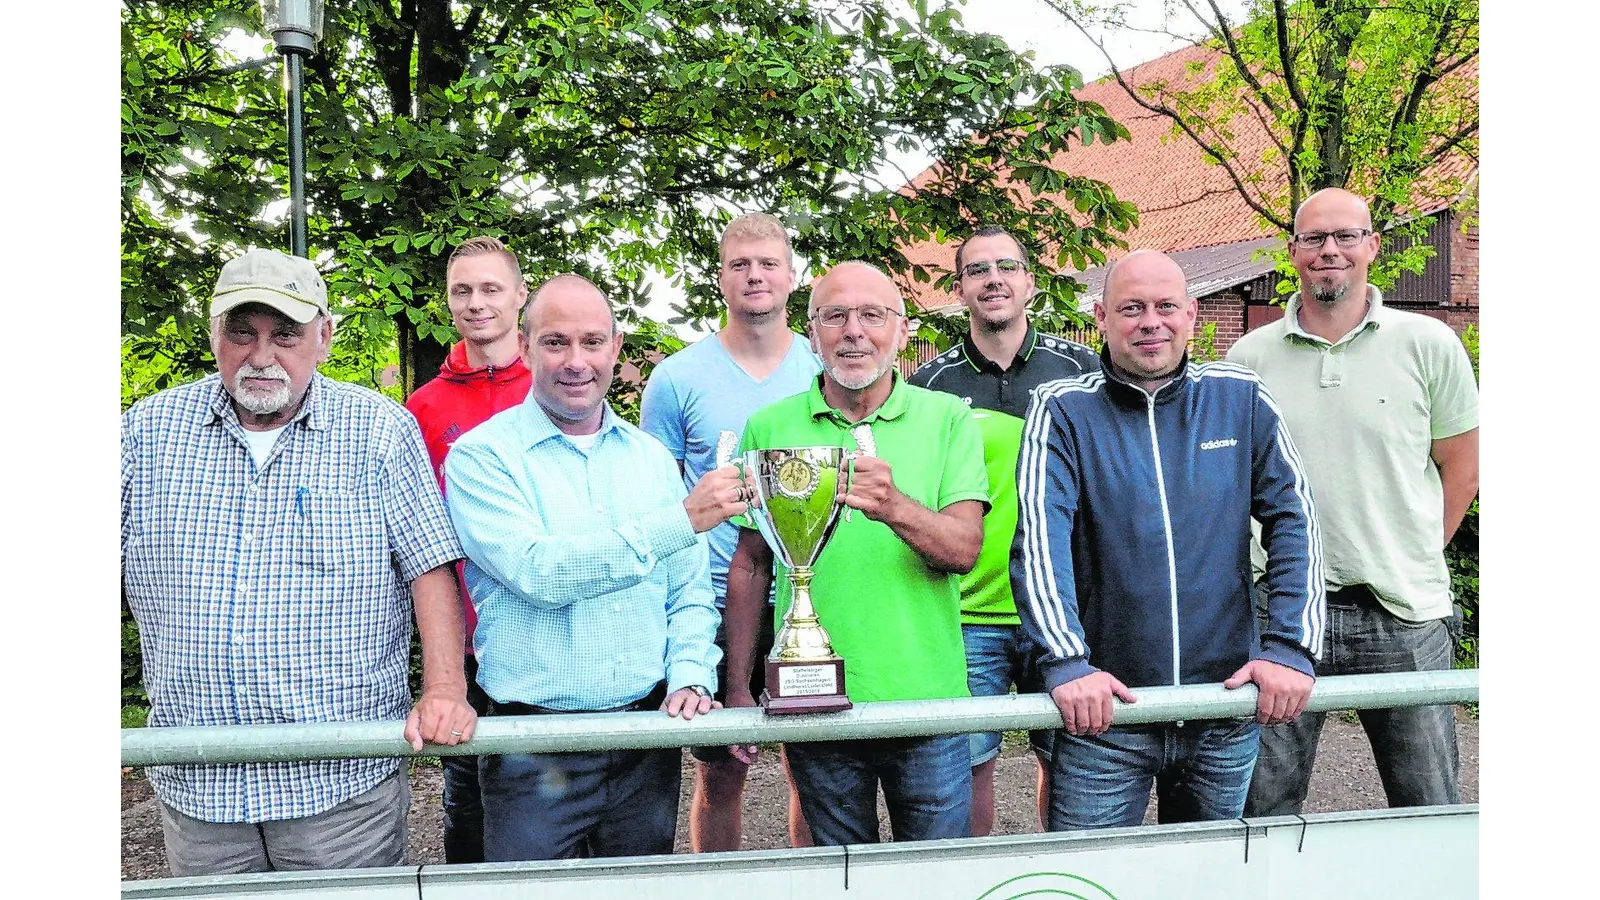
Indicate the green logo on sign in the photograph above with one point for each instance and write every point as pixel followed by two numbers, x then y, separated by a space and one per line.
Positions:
pixel 1047 884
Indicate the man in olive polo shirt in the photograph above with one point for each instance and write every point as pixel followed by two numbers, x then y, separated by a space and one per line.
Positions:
pixel 887 586
pixel 1384 409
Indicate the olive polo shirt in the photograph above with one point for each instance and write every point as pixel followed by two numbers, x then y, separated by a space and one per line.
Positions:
pixel 998 399
pixel 893 618
pixel 1364 412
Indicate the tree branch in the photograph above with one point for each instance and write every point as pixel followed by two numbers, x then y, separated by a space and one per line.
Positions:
pixel 1280 18
pixel 1218 155
pixel 1223 32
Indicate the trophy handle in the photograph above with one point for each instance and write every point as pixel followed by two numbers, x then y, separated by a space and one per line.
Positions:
pixel 849 477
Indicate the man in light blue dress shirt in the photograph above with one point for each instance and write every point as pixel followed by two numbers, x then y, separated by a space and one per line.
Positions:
pixel 585 557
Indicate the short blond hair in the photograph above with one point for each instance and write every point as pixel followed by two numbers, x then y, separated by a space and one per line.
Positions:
pixel 755 226
pixel 481 246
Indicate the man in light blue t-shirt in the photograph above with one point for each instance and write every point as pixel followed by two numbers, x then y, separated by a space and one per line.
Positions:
pixel 691 399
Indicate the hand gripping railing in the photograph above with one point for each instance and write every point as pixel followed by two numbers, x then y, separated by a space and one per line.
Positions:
pixel 901 718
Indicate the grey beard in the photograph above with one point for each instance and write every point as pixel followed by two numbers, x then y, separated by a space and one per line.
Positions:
pixel 257 403
pixel 865 381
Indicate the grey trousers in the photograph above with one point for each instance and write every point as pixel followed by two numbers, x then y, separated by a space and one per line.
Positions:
pixel 367 830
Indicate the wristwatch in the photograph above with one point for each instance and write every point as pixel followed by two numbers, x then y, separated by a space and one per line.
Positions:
pixel 700 689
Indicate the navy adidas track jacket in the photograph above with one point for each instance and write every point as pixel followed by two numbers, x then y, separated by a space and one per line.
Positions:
pixel 1132 548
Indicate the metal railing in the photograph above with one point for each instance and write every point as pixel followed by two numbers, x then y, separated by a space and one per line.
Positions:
pixel 901 718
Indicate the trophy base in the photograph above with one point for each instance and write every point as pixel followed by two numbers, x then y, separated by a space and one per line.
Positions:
pixel 804 687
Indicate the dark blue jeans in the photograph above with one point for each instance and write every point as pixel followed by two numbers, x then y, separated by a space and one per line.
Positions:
pixel 463 802
pixel 927 787
pixel 1201 771
pixel 1414 747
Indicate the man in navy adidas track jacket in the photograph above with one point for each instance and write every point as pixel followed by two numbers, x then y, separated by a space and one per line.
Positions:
pixel 1131 561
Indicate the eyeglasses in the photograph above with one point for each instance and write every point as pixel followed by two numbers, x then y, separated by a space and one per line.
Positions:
pixel 980 269
pixel 871 316
pixel 1344 237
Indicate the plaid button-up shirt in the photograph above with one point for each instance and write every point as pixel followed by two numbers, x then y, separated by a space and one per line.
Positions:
pixel 278 593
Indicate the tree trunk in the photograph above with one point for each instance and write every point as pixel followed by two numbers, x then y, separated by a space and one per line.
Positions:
pixel 420 358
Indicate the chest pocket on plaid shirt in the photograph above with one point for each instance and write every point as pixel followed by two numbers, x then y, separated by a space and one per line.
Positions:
pixel 335 530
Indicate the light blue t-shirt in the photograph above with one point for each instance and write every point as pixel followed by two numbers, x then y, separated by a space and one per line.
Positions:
pixel 699 392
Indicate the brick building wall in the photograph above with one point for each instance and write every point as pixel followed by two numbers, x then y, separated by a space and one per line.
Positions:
pixel 1464 268
pixel 1227 311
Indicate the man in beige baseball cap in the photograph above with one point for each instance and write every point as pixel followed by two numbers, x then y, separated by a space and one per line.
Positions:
pixel 288 284
pixel 270 329
pixel 280 530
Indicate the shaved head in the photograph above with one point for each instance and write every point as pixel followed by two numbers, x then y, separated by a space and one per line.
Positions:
pixel 1137 266
pixel 1338 202
pixel 1334 276
pixel 856 357
pixel 1147 317
pixel 569 286
pixel 854 274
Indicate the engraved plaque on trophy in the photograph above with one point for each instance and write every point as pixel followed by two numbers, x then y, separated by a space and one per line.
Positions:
pixel 796 512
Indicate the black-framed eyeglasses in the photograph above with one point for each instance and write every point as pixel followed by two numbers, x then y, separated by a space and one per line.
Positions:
pixel 980 269
pixel 1344 237
pixel 870 316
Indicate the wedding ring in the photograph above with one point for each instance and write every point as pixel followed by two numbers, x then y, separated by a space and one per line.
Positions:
pixel 454 733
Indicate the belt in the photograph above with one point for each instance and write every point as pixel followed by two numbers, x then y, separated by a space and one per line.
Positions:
pixel 650 701
pixel 1354 595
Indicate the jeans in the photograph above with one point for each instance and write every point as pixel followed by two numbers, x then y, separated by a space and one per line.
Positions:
pixel 927 787
pixel 999 656
pixel 463 801
pixel 1414 747
pixel 1201 771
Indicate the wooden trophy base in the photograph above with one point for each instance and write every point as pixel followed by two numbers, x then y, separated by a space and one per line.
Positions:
pixel 804 687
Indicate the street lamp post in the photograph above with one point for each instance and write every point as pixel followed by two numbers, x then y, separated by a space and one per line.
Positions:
pixel 296 26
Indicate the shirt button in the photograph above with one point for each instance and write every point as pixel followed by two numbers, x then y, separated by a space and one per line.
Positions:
pixel 616 607
pixel 244 589
pixel 249 538
pixel 238 640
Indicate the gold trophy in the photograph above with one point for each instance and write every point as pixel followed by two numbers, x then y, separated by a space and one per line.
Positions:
pixel 796 511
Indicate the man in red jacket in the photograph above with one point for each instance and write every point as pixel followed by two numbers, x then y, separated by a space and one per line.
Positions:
pixel 483 375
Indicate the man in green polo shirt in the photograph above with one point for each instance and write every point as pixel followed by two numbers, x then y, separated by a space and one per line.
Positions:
pixel 994 370
pixel 1384 409
pixel 887 587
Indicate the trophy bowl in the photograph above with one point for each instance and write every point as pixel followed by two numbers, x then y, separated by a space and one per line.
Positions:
pixel 797 510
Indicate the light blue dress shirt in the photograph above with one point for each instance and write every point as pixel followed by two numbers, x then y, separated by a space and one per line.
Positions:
pixel 590 583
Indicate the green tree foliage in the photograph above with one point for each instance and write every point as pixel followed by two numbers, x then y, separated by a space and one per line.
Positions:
pixel 608 137
pixel 1462 554
pixel 1377 96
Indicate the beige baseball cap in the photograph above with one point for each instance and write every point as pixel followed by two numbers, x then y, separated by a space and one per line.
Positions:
pixel 288 284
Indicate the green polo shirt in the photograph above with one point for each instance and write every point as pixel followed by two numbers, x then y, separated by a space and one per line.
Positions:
pixel 895 620
pixel 998 400
pixel 1364 412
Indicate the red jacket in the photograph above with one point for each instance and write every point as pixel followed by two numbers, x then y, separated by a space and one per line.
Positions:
pixel 460 399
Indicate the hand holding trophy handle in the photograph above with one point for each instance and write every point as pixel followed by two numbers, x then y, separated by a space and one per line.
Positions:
pixel 796 509
pixel 866 445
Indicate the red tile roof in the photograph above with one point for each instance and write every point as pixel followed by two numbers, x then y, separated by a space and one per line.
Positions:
pixel 1184 201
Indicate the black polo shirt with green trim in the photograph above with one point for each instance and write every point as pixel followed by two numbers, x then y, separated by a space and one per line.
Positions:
pixel 998 400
